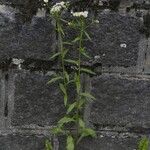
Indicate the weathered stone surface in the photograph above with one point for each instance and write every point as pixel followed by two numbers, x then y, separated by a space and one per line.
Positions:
pixel 25 36
pixel 115 40
pixel 22 142
pixel 2 98
pixel 121 101
pixel 35 101
pixel 110 143
pixel 107 141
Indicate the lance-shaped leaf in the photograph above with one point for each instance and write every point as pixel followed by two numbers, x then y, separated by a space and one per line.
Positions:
pixel 54 80
pixel 77 82
pixel 63 89
pixel 67 76
pixel 87 71
pixel 72 61
pixel 85 54
pixel 81 123
pixel 71 107
pixel 76 39
pixel 65 120
pixel 64 53
pixel 70 143
pixel 88 95
pixel 48 145
pixel 88 132
pixel 55 55
pixel 57 130
pixel 143 144
pixel 87 35
pixel 61 30
pixel 67 43
pixel 85 133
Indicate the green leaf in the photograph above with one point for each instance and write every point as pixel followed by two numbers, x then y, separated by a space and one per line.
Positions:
pixel 70 143
pixel 48 145
pixel 67 76
pixel 87 35
pixel 65 120
pixel 55 55
pixel 88 95
pixel 63 89
pixel 57 130
pixel 85 54
pixel 87 71
pixel 88 132
pixel 76 39
pixel 77 82
pixel 71 61
pixel 71 81
pixel 67 43
pixel 71 107
pixel 81 103
pixel 65 21
pixel 65 52
pixel 143 144
pixel 81 123
pixel 65 99
pixel 54 80
pixel 61 30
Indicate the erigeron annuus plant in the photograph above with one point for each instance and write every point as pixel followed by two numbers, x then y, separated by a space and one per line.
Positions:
pixel 75 107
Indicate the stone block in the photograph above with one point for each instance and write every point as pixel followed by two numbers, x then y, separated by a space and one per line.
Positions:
pixel 107 141
pixel 115 40
pixel 25 34
pixel 36 102
pixel 22 142
pixel 121 101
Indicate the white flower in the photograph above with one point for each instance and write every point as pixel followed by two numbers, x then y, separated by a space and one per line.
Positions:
pixel 69 23
pixel 80 14
pixel 58 7
pixel 123 45
pixel 100 3
pixel 46 1
pixel 96 21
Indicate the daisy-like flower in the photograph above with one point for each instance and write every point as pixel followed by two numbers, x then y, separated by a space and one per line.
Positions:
pixel 46 1
pixel 80 14
pixel 58 7
pixel 96 21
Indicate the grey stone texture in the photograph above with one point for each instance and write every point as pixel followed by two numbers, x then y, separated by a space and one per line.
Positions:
pixel 121 101
pixel 120 56
pixel 36 102
pixel 115 40
pixel 23 37
pixel 22 142
pixel 110 142
pixel 107 141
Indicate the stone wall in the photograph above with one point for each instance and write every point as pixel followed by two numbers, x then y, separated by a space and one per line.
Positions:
pixel 120 52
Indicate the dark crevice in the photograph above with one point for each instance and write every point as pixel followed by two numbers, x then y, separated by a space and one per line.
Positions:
pixel 38 65
pixel 6 110
pixel 121 128
pixel 5 64
pixel 6 77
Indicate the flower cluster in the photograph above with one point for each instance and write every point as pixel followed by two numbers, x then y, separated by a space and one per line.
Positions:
pixel 46 1
pixel 58 7
pixel 80 14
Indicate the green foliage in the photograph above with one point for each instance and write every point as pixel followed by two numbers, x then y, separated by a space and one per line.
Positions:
pixel 143 144
pixel 70 143
pixel 53 80
pixel 64 79
pixel 48 145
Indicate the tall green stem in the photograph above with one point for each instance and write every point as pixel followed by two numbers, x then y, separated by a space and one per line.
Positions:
pixel 61 49
pixel 79 76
